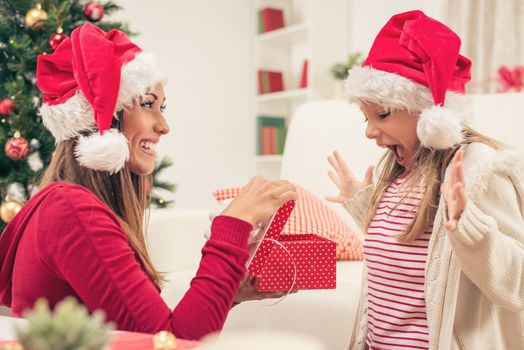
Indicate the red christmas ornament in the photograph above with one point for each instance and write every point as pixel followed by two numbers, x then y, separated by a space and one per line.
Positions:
pixel 94 11
pixel 6 106
pixel 57 38
pixel 16 147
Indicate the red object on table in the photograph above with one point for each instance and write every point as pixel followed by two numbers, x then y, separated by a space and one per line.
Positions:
pixel 142 341
pixel 132 341
pixel 297 261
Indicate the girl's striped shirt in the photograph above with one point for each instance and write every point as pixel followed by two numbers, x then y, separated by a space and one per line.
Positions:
pixel 395 272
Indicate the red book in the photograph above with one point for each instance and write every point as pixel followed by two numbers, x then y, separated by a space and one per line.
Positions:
pixel 272 141
pixel 266 140
pixel 303 77
pixel 269 81
pixel 261 82
pixel 271 19
pixel 275 81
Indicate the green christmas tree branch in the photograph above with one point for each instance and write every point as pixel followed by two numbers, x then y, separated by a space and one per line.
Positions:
pixel 19 49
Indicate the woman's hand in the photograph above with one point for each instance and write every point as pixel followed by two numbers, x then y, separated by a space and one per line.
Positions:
pixel 453 192
pixel 346 182
pixel 260 199
pixel 246 291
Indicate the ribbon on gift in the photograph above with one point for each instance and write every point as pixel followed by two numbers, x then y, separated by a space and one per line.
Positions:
pixel 511 79
pixel 294 270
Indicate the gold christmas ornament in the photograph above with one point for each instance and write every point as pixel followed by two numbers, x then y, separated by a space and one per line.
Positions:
pixel 9 209
pixel 36 17
pixel 164 341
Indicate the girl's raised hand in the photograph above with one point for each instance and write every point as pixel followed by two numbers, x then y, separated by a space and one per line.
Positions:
pixel 453 192
pixel 345 180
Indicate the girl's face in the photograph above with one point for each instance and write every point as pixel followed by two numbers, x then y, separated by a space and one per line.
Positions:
pixel 396 131
pixel 143 125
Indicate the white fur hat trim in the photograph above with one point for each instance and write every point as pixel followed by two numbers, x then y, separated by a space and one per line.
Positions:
pixel 108 152
pixel 438 127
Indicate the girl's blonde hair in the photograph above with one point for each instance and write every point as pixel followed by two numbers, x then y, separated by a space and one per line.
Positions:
pixel 429 168
pixel 125 193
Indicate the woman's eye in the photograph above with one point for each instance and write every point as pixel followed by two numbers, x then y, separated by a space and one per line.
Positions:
pixel 163 108
pixel 384 115
pixel 365 120
pixel 147 104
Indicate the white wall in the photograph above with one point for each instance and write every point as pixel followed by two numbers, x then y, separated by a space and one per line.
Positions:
pixel 368 17
pixel 205 51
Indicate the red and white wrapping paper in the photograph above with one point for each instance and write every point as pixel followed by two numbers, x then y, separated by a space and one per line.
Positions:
pixel 297 261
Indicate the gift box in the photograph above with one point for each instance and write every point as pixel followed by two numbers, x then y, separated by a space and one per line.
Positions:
pixel 292 262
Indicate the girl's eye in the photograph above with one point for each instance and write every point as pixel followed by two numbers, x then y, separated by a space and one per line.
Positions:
pixel 365 119
pixel 163 108
pixel 384 115
pixel 147 104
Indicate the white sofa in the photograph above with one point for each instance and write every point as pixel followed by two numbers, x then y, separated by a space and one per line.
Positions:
pixel 317 128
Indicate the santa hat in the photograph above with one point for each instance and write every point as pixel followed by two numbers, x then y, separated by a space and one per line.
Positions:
pixel 415 65
pixel 85 82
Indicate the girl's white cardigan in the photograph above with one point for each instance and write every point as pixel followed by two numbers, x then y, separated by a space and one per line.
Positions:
pixel 474 275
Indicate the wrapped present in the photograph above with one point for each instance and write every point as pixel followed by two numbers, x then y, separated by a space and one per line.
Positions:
pixel 298 261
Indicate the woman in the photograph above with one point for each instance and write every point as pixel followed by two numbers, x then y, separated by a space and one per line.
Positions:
pixel 83 233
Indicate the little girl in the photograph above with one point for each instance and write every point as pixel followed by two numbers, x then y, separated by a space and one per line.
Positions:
pixel 444 243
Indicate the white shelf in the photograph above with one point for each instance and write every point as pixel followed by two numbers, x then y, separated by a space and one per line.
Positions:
pixel 284 36
pixel 274 158
pixel 296 94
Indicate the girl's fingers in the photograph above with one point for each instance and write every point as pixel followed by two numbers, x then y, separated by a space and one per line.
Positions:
pixel 334 164
pixel 459 173
pixel 460 199
pixel 451 225
pixel 334 178
pixel 343 165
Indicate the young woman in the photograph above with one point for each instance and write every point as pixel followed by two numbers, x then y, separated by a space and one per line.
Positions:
pixel 82 234
pixel 444 243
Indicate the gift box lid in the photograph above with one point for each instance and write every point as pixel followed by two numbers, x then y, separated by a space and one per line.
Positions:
pixel 264 243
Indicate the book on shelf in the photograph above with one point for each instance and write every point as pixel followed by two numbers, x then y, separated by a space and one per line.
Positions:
pixel 270 81
pixel 303 76
pixel 270 19
pixel 271 135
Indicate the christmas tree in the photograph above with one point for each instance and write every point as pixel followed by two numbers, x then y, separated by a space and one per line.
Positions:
pixel 29 28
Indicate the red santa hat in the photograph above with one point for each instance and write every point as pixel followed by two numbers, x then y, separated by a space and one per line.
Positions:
pixel 85 82
pixel 415 65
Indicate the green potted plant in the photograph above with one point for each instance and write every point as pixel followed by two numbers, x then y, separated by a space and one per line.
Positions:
pixel 69 326
pixel 340 72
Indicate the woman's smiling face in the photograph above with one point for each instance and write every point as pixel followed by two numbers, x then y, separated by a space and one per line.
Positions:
pixel 143 125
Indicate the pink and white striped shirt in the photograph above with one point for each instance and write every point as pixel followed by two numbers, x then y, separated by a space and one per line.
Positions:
pixel 395 273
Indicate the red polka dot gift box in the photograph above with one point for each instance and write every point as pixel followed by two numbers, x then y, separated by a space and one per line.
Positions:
pixel 291 262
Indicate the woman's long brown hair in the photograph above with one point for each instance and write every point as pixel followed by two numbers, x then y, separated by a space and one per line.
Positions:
pixel 429 167
pixel 125 193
